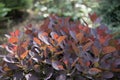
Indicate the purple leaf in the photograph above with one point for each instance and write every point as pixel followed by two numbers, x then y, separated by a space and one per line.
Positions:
pixel 117 62
pixel 107 74
pixel 12 66
pixel 94 32
pixel 49 72
pixel 79 67
pixel 73 35
pixel 31 76
pixel 48 76
pixel 47 61
pixel 8 59
pixel 61 77
pixel 18 76
pixel 43 38
pixel 56 65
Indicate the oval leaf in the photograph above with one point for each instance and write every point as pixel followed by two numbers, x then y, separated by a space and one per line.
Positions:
pixel 109 49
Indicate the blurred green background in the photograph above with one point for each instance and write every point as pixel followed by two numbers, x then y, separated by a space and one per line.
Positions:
pixel 17 13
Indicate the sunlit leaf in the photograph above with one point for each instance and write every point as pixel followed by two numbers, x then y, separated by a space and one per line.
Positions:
pixel 6 68
pixel 54 35
pixel 13 40
pixel 60 39
pixel 56 65
pixel 37 41
pixel 23 55
pixel 15 33
pixel 43 37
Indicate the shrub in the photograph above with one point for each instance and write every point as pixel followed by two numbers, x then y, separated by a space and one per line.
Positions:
pixel 17 4
pixel 3 11
pixel 17 8
pixel 74 8
pixel 62 49
pixel 110 11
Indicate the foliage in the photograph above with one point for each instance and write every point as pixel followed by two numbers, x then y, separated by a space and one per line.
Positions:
pixel 12 9
pixel 62 49
pixel 17 4
pixel 3 11
pixel 110 11
pixel 74 8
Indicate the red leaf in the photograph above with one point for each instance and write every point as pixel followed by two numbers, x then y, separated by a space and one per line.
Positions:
pixel 65 61
pixel 15 33
pixel 102 40
pixel 93 17
pixel 87 63
pixel 65 29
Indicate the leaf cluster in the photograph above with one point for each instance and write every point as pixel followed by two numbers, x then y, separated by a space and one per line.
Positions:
pixel 61 49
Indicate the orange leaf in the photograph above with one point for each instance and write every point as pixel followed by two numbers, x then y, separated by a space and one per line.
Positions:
pixel 24 54
pixel 6 68
pixel 25 44
pixel 13 40
pixel 80 36
pixel 53 49
pixel 60 39
pixel 58 53
pixel 56 36
pixel 37 41
pixel 61 67
pixel 108 49
pixel 95 50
